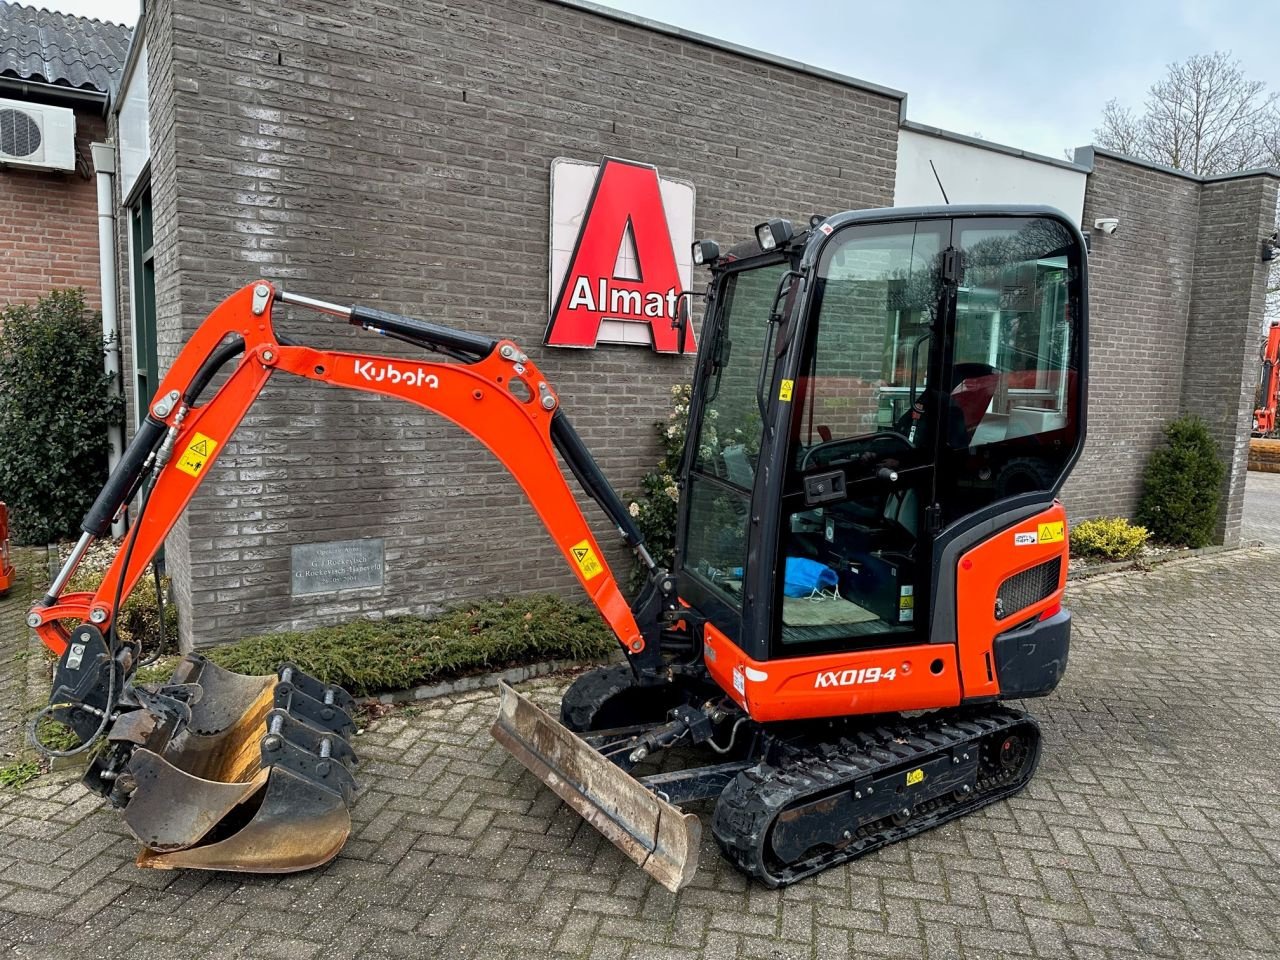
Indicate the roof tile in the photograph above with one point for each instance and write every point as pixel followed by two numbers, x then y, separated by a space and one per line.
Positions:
pixel 57 48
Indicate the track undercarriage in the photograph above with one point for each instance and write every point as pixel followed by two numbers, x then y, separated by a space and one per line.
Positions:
pixel 793 799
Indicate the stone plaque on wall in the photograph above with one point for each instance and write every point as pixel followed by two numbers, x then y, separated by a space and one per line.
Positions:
pixel 337 565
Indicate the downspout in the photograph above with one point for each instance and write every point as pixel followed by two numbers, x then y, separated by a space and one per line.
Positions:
pixel 104 163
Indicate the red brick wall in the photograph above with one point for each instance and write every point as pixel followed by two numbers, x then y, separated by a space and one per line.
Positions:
pixel 49 226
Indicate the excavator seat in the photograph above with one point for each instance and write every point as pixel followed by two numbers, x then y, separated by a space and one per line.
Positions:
pixel 258 779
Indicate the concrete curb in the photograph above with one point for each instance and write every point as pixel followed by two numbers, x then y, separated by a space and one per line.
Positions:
pixel 478 681
pixel 1142 566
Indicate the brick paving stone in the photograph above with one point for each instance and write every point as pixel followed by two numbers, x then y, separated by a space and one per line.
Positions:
pixel 1262 508
pixel 1151 830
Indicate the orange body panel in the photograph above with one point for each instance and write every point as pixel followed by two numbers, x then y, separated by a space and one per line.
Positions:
pixel 475 396
pixel 918 677
pixel 1264 418
pixel 981 572
pixel 7 573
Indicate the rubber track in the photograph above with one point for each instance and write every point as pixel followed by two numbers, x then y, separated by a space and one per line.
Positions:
pixel 746 809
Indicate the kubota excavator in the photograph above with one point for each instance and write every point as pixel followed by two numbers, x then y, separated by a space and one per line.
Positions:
pixel 7 572
pixel 1264 417
pixel 870 558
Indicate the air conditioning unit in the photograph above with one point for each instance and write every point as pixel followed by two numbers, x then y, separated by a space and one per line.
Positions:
pixel 35 135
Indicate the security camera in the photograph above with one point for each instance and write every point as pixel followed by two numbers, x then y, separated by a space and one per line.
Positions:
pixel 1107 225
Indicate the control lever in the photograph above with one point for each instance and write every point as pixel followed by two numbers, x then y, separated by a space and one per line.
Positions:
pixel 887 475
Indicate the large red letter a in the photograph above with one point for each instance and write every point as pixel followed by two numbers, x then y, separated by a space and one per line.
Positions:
pixel 624 194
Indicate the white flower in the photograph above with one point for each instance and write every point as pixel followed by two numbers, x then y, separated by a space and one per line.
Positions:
pixel 673 492
pixel 634 509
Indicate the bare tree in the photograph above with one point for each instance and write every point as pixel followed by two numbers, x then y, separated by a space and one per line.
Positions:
pixel 1204 117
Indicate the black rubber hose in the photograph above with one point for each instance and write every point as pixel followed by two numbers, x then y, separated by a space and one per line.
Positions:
pixel 123 482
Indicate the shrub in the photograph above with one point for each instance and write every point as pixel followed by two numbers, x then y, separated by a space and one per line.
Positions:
pixel 1109 538
pixel 1182 486
pixel 55 408
pixel 655 507
pixel 371 656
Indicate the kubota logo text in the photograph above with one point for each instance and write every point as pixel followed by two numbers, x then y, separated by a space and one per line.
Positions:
pixel 847 678
pixel 390 373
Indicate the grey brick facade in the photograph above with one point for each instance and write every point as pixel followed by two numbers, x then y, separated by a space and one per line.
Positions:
pixel 399 156
pixel 1176 300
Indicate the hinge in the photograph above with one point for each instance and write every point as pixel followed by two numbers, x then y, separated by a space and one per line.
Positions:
pixel 952 265
pixel 933 519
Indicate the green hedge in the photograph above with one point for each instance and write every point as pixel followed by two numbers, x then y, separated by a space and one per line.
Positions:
pixel 374 656
pixel 55 408
pixel 1182 486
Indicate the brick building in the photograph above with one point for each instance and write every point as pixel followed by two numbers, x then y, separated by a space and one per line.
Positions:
pixel 54 70
pixel 399 156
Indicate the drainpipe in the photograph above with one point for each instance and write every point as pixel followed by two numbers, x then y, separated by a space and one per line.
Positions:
pixel 104 162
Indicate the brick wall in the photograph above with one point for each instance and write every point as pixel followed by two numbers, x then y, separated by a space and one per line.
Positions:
pixel 49 226
pixel 1221 370
pixel 1176 300
pixel 400 156
pixel 1140 282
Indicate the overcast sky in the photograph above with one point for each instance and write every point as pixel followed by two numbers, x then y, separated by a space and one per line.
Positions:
pixel 1032 75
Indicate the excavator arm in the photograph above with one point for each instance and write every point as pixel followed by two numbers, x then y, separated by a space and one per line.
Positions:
pixel 216 770
pixel 495 393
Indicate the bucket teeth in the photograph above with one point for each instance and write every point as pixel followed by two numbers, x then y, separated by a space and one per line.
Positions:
pixel 259 779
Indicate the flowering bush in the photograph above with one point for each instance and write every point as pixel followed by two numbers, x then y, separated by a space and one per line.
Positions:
pixel 655 507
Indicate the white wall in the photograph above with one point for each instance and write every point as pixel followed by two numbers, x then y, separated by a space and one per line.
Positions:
pixel 973 174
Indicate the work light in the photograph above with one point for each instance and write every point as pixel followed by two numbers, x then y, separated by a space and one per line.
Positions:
pixel 705 251
pixel 774 233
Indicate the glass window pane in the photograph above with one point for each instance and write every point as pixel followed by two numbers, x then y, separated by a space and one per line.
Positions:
pixel 716 543
pixel 728 440
pixel 1011 425
pixel 879 293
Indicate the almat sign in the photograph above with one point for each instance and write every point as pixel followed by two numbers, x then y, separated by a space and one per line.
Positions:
pixel 618 278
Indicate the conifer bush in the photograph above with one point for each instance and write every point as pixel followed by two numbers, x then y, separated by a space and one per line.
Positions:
pixel 1182 486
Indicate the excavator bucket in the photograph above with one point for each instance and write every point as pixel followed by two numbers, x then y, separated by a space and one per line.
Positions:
pixel 662 840
pixel 257 780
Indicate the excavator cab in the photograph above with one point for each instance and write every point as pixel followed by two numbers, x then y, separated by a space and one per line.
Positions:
pixel 871 394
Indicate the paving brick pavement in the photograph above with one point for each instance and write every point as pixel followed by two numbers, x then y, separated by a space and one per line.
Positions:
pixel 1262 508
pixel 1152 830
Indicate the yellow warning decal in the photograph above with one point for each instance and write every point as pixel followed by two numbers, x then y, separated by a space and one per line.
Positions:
pixel 906 603
pixel 784 391
pixel 1053 532
pixel 586 560
pixel 914 777
pixel 197 454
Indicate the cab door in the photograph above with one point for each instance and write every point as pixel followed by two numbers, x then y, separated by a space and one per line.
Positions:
pixel 854 556
pixel 724 443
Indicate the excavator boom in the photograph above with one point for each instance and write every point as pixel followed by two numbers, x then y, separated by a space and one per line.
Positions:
pixel 219 771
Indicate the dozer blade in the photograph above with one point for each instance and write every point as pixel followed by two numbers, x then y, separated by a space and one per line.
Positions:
pixel 662 840
pixel 257 780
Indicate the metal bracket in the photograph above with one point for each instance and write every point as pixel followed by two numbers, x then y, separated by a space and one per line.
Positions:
pixel 165 404
pixel 261 294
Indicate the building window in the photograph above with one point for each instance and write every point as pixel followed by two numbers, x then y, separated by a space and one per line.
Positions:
pixel 143 297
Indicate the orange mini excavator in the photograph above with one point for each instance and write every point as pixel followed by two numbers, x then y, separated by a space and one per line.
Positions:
pixel 870 558
pixel 1264 416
